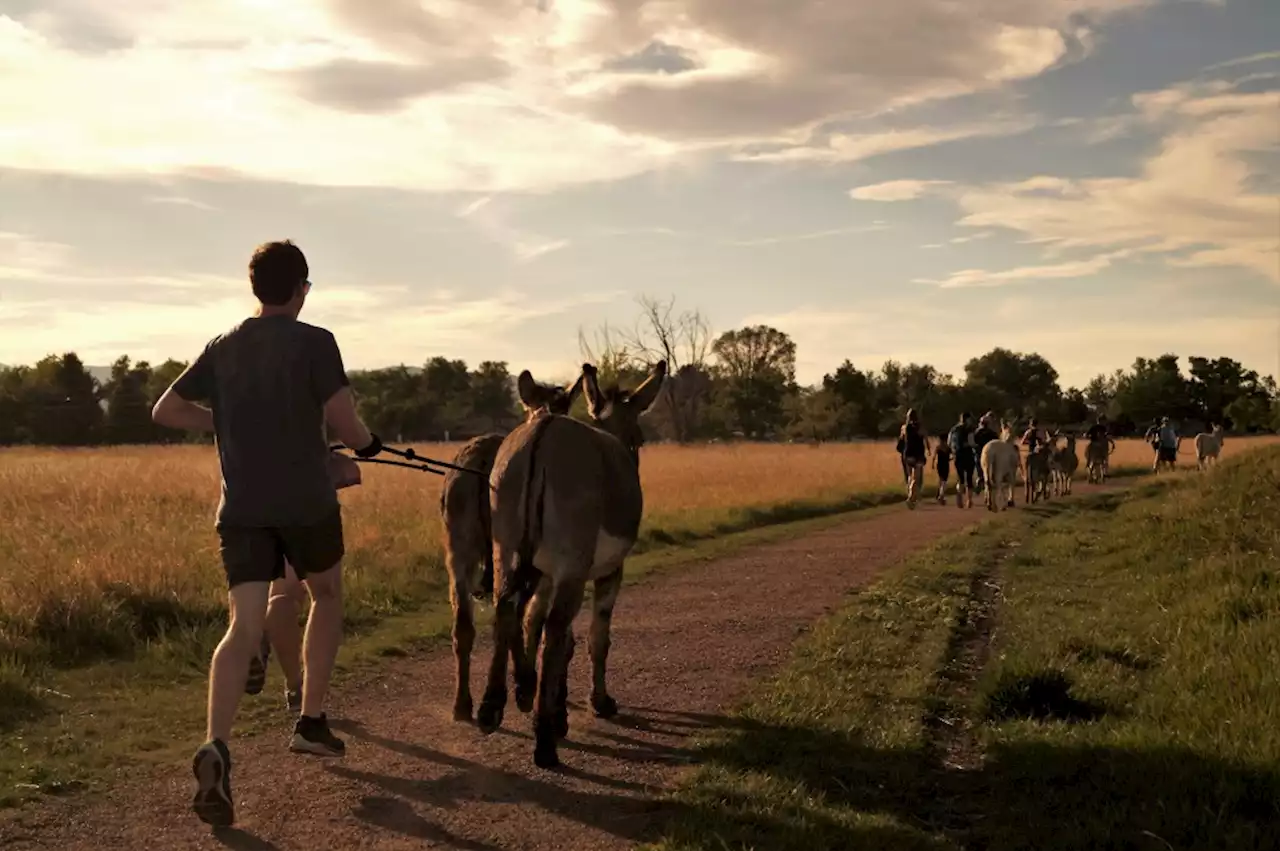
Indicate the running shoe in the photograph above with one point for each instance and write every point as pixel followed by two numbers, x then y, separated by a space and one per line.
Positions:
pixel 212 767
pixel 312 735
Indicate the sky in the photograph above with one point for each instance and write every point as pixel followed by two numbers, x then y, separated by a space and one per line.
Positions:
pixel 921 180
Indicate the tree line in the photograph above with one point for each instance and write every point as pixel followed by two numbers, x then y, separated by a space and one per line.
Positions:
pixel 736 384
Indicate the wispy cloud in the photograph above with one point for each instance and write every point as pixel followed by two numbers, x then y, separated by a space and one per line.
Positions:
pixel 804 237
pixel 180 201
pixel 491 218
pixel 983 278
pixel 849 148
pixel 1194 200
pixel 895 190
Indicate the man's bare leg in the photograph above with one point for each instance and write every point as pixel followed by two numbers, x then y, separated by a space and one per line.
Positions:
pixel 228 672
pixel 320 651
pixel 287 596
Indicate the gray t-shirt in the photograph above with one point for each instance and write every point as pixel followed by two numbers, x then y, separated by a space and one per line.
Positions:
pixel 267 380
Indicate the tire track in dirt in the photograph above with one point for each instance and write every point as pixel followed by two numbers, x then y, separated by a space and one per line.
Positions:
pixel 684 646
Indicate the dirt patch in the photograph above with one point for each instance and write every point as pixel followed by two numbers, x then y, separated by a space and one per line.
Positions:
pixel 684 646
pixel 949 726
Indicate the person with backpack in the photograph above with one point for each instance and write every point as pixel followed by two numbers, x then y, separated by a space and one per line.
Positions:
pixel 960 441
pixel 1167 445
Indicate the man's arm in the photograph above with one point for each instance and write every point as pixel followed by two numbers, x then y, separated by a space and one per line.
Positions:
pixel 332 387
pixel 176 409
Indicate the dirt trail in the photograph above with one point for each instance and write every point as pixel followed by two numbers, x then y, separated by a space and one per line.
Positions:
pixel 684 646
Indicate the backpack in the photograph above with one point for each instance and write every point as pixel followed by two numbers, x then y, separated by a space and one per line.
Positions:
pixel 956 440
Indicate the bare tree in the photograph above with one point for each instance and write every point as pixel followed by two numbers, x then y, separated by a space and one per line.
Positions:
pixel 683 340
pixel 610 353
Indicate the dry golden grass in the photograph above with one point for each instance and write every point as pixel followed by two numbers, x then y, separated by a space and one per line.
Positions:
pixel 103 549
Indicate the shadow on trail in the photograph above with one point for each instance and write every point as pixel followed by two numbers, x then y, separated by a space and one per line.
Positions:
pixel 242 840
pixel 399 816
pixel 822 788
pixel 632 817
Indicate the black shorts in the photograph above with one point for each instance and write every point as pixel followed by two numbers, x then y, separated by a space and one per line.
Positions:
pixel 1168 453
pixel 944 470
pixel 258 553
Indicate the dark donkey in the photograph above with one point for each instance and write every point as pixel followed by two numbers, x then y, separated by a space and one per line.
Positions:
pixel 565 495
pixel 465 513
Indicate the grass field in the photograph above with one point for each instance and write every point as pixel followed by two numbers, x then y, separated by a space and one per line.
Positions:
pixel 111 594
pixel 108 551
pixel 1097 674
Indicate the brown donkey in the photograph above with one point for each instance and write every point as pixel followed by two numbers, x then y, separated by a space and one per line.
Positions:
pixel 464 511
pixel 565 495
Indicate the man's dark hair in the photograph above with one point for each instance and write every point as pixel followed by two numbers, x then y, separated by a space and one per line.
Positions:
pixel 965 415
pixel 276 270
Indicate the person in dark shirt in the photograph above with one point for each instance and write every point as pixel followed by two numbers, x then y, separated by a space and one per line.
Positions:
pixel 1098 448
pixel 915 451
pixel 942 463
pixel 1033 437
pixel 1152 437
pixel 961 442
pixel 272 384
pixel 982 435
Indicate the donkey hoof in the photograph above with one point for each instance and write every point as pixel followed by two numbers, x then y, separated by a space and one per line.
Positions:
pixel 604 706
pixel 544 742
pixel 525 693
pixel 462 710
pixel 489 718
pixel 562 724
pixel 545 753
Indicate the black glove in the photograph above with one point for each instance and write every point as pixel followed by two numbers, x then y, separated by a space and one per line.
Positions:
pixel 374 447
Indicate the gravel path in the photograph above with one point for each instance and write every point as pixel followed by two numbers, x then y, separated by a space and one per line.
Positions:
pixel 684 646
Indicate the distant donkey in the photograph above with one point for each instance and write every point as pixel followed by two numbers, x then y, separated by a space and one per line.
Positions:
pixel 566 496
pixel 465 513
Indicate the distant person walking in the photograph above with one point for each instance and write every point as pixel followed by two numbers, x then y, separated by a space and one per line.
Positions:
pixel 982 435
pixel 1152 437
pixel 915 451
pixel 1097 451
pixel 273 383
pixel 960 441
pixel 942 464
pixel 1168 444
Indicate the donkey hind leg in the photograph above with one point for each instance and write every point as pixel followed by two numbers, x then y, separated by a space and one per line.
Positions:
pixel 535 618
pixel 603 600
pixel 464 634
pixel 562 701
pixel 506 630
pixel 566 599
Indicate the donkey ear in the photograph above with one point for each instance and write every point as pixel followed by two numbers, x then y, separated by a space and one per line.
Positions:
pixel 646 394
pixel 530 392
pixel 573 391
pixel 590 384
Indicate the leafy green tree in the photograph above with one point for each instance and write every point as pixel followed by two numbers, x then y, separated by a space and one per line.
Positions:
pixel 758 366
pixel 1025 383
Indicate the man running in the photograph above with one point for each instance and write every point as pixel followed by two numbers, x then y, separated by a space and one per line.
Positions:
pixel 961 439
pixel 272 383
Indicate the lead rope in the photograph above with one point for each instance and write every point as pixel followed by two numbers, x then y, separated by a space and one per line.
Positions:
pixel 413 461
